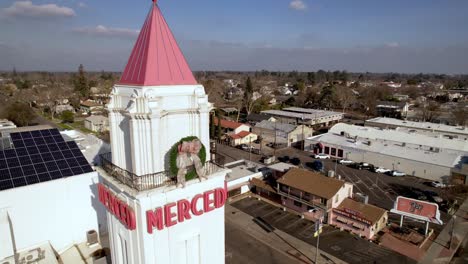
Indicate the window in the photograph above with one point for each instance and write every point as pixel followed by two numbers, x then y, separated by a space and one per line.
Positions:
pixel 337 198
pixel 323 201
pixel 298 204
pixel 340 153
pixel 327 150
pixel 333 151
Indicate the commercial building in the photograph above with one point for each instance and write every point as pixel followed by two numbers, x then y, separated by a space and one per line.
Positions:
pixel 282 132
pixel 46 193
pixel 424 128
pixel 459 173
pixel 310 193
pixel 362 219
pixel 97 123
pixel 418 155
pixel 240 174
pixel 310 117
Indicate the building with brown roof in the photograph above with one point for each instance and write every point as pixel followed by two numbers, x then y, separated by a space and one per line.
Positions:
pixel 311 193
pixel 362 219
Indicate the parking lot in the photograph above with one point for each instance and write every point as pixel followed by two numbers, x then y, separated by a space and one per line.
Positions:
pixel 381 188
pixel 343 245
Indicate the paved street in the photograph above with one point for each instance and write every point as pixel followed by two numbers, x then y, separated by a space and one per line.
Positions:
pixel 246 242
pixel 242 248
pixel 342 245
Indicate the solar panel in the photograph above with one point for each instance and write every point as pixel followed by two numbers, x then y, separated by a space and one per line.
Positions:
pixel 40 156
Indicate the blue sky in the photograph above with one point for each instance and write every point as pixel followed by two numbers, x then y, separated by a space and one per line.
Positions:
pixel 306 35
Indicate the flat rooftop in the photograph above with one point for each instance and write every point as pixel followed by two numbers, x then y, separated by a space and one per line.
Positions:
pixel 420 125
pixel 390 149
pixel 242 168
pixel 299 115
pixel 372 133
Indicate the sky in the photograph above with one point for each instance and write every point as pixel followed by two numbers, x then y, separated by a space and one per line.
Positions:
pixel 428 36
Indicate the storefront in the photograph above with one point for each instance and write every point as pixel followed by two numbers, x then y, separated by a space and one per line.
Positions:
pixel 364 220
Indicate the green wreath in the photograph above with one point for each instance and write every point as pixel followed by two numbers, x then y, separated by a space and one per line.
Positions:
pixel 191 174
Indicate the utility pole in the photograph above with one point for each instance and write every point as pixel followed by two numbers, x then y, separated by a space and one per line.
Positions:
pixel 274 144
pixel 318 230
pixel 303 139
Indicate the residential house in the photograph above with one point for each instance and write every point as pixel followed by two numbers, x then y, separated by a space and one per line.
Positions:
pixel 89 106
pixel 237 133
pixel 392 109
pixel 97 123
pixel 362 219
pixel 312 194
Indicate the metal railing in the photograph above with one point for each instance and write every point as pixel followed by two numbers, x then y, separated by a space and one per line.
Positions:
pixel 147 181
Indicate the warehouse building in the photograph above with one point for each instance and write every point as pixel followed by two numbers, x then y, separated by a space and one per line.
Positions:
pixel 417 155
pixel 310 117
pixel 425 128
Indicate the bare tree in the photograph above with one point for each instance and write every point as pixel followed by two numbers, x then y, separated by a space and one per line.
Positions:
pixel 429 111
pixel 345 97
pixel 459 115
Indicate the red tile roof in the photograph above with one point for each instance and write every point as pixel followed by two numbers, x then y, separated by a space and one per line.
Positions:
pixel 228 124
pixel 241 134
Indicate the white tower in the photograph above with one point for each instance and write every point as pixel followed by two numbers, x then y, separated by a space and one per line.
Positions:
pixel 156 105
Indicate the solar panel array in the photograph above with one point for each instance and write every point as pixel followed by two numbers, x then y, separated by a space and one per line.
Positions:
pixel 40 156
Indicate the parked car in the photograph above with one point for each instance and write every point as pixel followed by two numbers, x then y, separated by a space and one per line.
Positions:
pixel 295 161
pixel 322 156
pixel 243 147
pixel 419 195
pixel 396 173
pixel 433 196
pixel 382 170
pixel 316 165
pixel 345 162
pixel 284 159
pixel 438 184
pixel 362 166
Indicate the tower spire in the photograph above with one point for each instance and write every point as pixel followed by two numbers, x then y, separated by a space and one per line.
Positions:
pixel 156 58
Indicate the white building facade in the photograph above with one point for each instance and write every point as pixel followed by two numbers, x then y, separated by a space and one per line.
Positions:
pixel 155 108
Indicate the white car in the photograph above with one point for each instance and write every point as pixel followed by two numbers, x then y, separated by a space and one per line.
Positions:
pixel 322 156
pixel 438 184
pixel 397 174
pixel 382 170
pixel 346 162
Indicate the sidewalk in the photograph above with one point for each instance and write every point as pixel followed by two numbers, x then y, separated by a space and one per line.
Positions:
pixel 444 246
pixel 295 247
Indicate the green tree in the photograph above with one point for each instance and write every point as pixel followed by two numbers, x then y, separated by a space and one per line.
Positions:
pixel 327 96
pixel 311 77
pixel 212 126
pixel 81 83
pixel 67 117
pixel 249 96
pixel 219 129
pixel 20 113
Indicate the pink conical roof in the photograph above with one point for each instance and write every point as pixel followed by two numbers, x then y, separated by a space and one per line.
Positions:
pixel 156 58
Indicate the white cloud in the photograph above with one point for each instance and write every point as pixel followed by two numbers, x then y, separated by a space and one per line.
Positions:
pixel 82 5
pixel 104 31
pixel 297 5
pixel 28 9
